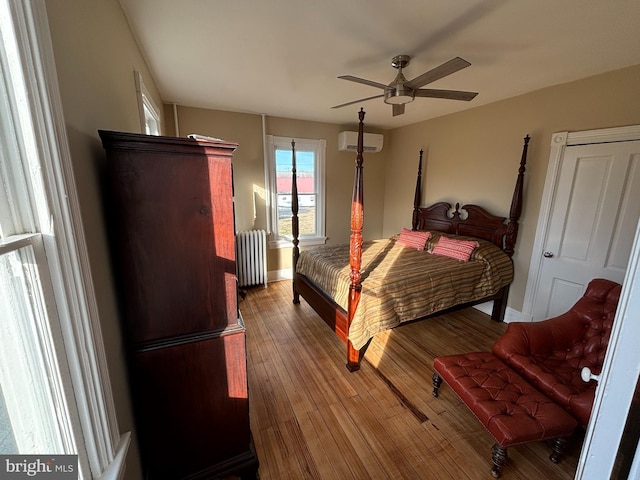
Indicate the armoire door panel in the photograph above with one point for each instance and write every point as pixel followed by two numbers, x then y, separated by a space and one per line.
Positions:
pixel 175 227
pixel 191 410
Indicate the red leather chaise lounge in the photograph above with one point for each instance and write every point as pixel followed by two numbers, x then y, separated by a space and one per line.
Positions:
pixel 529 387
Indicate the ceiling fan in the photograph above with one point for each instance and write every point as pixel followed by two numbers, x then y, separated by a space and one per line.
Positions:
pixel 402 91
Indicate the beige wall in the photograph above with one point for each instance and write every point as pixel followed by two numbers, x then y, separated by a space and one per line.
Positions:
pixel 96 56
pixel 249 178
pixel 473 156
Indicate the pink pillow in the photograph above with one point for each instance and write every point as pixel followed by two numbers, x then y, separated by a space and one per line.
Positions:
pixel 458 249
pixel 413 238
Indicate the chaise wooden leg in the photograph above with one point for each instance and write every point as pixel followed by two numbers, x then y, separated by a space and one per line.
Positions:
pixel 559 446
pixel 499 457
pixel 437 381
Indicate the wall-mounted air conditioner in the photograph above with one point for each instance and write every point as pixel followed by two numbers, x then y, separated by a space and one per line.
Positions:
pixel 349 141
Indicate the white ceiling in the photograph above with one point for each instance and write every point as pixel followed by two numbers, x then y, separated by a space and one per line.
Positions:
pixel 283 57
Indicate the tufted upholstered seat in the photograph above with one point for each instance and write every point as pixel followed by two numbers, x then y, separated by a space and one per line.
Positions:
pixel 511 409
pixel 551 354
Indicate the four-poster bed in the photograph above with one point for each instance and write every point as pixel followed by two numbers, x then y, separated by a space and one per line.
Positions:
pixel 369 287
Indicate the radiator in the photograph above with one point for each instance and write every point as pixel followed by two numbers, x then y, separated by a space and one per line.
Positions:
pixel 251 258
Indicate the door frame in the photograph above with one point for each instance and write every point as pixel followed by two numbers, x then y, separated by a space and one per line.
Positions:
pixel 617 383
pixel 559 142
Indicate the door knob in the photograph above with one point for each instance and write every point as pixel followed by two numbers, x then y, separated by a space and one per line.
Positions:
pixel 586 375
pixel 548 254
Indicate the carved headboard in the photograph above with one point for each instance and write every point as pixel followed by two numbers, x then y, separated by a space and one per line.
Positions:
pixel 472 220
pixel 469 220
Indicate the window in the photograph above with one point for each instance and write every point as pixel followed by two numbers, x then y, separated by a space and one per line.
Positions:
pixel 310 159
pixel 149 113
pixel 35 418
pixel 55 397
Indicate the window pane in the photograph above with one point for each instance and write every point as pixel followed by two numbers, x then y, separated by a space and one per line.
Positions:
pixel 306 181
pixel 35 411
pixel 284 215
pixel 7 440
pixel 151 123
pixel 283 171
pixel 307 214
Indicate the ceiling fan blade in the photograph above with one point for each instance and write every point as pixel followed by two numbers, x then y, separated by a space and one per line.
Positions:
pixel 437 73
pixel 398 109
pixel 364 81
pixel 448 94
pixel 358 101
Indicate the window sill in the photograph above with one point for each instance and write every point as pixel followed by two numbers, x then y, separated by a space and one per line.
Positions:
pixel 303 242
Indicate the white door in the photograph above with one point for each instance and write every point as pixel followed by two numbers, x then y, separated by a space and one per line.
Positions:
pixel 594 212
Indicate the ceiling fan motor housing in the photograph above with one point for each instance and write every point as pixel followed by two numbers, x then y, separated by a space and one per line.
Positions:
pixel 397 93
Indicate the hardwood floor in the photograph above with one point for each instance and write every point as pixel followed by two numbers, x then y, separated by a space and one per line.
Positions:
pixel 312 419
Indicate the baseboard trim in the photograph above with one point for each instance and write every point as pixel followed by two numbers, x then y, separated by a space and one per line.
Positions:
pixel 510 315
pixel 278 275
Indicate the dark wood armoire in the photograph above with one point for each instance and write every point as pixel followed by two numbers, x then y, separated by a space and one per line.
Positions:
pixel 171 226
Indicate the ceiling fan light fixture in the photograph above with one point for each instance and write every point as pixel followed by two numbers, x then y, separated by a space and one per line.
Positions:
pixel 398 96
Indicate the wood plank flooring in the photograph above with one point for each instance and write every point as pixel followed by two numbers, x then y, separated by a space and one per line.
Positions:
pixel 312 419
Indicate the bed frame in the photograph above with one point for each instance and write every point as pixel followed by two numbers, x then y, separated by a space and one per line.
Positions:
pixel 469 220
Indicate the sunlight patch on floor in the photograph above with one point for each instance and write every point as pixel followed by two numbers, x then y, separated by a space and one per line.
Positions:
pixel 375 351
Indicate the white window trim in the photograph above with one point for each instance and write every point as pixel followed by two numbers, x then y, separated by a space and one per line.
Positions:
pixel 66 253
pixel 319 146
pixel 146 104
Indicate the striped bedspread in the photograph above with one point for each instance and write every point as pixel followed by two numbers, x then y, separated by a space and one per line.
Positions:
pixel 401 284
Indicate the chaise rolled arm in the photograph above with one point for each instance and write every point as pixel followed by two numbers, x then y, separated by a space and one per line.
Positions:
pixel 551 354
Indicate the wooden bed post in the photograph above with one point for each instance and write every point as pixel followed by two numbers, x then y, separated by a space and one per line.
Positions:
pixel 417 198
pixel 500 299
pixel 516 203
pixel 295 222
pixel 355 246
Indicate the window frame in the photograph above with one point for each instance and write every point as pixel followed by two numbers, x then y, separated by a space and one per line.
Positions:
pixel 150 120
pixel 100 446
pixel 318 146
